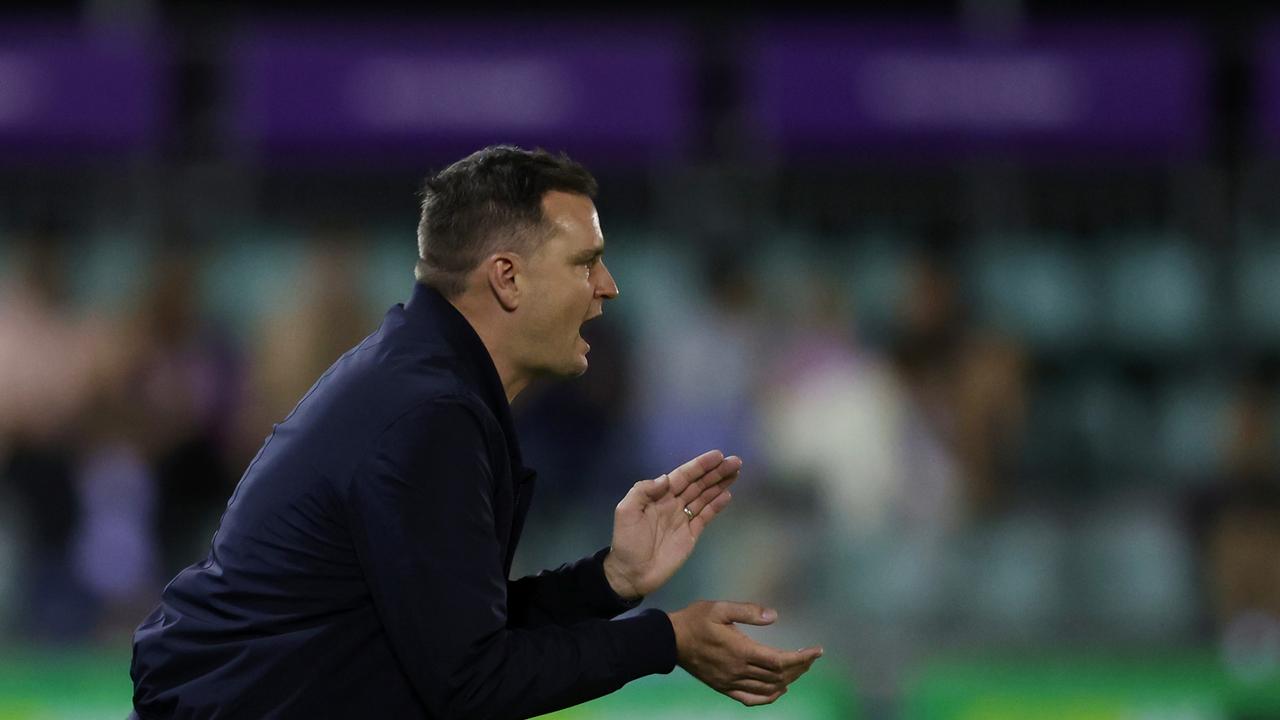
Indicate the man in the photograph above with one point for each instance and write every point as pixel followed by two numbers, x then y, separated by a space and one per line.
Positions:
pixel 360 569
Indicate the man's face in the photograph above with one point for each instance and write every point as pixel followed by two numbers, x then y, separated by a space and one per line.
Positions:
pixel 568 284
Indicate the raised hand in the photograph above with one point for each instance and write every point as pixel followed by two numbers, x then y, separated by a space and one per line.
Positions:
pixel 710 648
pixel 653 534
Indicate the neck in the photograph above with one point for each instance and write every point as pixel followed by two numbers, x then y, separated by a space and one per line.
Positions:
pixel 513 382
pixel 514 379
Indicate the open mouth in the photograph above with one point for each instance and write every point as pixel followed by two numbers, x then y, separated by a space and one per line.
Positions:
pixel 583 325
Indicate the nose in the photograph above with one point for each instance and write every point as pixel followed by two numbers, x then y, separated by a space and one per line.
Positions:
pixel 606 287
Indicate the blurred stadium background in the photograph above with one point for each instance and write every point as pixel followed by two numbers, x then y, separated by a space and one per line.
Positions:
pixel 987 296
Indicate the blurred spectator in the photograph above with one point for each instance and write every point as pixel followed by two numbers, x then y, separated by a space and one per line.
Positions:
pixel 50 357
pixel 990 399
pixel 327 315
pixel 930 335
pixel 834 420
pixel 1242 563
pixel 967 392
pixel 1237 522
pixel 832 416
pixel 1251 453
pixel 115 547
pixel 699 372
pixel 698 384
pixel 185 376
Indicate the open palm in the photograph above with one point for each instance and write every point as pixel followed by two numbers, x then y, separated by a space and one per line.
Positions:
pixel 652 535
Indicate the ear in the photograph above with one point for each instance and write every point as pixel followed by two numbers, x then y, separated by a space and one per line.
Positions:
pixel 503 273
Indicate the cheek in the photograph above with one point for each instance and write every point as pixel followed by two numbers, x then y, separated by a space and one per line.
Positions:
pixel 578 302
pixel 564 312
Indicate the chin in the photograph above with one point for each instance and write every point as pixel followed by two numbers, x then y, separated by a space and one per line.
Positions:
pixel 567 368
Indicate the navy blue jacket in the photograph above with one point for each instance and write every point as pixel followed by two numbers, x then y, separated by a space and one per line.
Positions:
pixel 360 569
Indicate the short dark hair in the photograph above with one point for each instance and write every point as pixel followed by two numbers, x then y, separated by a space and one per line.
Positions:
pixel 488 201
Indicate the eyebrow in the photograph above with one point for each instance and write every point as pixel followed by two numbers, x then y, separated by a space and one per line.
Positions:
pixel 591 254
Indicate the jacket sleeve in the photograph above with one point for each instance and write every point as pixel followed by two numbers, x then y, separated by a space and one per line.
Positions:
pixel 569 594
pixel 421 515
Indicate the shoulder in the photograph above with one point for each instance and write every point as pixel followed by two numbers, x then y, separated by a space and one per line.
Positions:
pixel 454 412
pixel 445 428
pixel 438 444
pixel 391 381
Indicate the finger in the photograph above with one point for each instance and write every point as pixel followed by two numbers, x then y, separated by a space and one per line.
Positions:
pixel 729 467
pixel 772 677
pixel 704 517
pixel 694 469
pixel 795 664
pixel 792 660
pixel 766 660
pixel 740 612
pixel 709 479
pixel 756 687
pixel 656 488
pixel 695 501
pixel 790 665
pixel 803 655
pixel 751 699
pixel 698 504
pixel 645 492
pixel 809 657
pixel 794 674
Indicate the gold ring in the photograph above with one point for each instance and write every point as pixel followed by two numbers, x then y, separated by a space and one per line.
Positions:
pixel 688 512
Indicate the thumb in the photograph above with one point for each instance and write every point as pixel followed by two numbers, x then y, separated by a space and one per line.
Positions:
pixel 653 490
pixel 748 613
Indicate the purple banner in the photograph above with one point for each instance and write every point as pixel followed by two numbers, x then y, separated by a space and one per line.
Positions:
pixel 932 89
pixel 337 89
pixel 70 89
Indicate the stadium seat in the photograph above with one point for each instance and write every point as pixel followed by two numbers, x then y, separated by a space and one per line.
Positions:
pixel 1115 421
pixel 248 274
pixel 895 580
pixel 1056 451
pixel 1158 297
pixel 1010 583
pixel 783 265
pixel 1192 428
pixel 1133 572
pixel 878 270
pixel 1257 294
pixel 111 271
pixel 663 271
pixel 1035 288
pixel 389 273
pixel 1090 432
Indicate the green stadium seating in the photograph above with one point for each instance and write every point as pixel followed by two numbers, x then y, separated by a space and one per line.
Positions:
pixel 111 271
pixel 661 272
pixel 1036 288
pixel 878 284
pixel 1158 297
pixel 388 274
pixel 1257 294
pixel 1192 428
pixel 1133 574
pixel 247 276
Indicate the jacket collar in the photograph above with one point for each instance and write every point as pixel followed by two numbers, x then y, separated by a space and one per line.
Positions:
pixel 429 310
